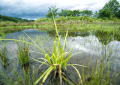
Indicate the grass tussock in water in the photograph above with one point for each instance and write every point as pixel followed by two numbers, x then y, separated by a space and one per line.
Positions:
pixel 3 57
pixel 57 62
pixel 99 75
pixel 23 54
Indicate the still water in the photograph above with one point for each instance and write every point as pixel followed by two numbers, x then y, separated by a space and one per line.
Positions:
pixel 86 48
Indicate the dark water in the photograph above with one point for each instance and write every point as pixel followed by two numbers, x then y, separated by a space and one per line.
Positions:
pixel 86 47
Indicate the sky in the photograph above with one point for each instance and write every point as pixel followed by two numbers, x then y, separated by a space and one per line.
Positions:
pixel 32 9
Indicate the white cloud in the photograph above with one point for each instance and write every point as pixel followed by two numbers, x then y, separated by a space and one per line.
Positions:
pixel 75 4
pixel 25 7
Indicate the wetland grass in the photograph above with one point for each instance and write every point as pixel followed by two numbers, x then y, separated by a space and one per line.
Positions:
pixel 99 75
pixel 23 55
pixel 57 62
pixel 3 56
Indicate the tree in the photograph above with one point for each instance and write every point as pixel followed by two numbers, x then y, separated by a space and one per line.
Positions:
pixel 111 9
pixel 65 13
pixel 86 13
pixel 96 14
pixel 76 13
pixel 52 11
pixel 113 6
pixel 105 13
pixel 118 14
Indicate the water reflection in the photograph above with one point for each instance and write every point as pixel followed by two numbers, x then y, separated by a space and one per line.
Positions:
pixel 86 47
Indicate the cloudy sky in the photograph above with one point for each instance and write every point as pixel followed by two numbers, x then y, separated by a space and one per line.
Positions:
pixel 38 8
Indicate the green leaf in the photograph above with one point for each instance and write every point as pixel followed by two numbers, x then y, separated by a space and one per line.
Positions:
pixel 43 75
pixel 48 58
pixel 47 74
pixel 78 74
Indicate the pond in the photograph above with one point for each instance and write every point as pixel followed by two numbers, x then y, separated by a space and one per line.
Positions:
pixel 86 48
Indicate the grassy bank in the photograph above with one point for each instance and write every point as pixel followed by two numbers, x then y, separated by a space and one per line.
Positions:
pixel 110 29
pixel 64 23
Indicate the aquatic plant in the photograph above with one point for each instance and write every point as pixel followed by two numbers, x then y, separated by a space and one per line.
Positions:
pixel 99 75
pixel 57 62
pixel 23 55
pixel 3 56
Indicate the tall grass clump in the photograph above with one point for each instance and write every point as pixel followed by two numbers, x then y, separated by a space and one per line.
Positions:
pixel 3 56
pixel 57 62
pixel 23 55
pixel 99 75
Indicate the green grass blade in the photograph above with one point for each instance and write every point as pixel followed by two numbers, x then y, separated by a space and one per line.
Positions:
pixel 17 41
pixel 65 40
pixel 76 65
pixel 67 80
pixel 39 61
pixel 78 74
pixel 47 74
pixel 43 75
pixel 48 58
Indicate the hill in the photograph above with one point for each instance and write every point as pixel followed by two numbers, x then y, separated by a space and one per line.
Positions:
pixel 14 19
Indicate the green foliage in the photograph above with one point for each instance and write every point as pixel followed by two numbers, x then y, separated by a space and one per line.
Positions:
pixel 118 14
pixel 75 13
pixel 105 13
pixel 113 6
pixel 86 13
pixel 57 61
pixel 52 11
pixel 65 13
pixel 100 75
pixel 23 54
pixel 14 19
pixel 69 13
pixel 111 9
pixel 42 20
pixel 3 56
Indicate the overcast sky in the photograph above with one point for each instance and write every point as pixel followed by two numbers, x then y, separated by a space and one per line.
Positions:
pixel 39 8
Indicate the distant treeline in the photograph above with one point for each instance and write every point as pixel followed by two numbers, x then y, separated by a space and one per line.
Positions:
pixel 14 19
pixel 110 10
